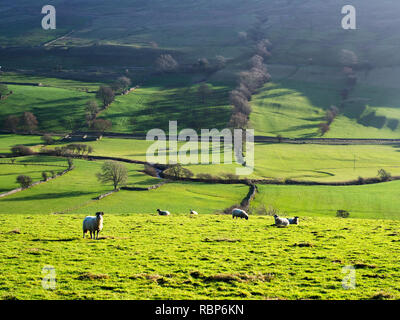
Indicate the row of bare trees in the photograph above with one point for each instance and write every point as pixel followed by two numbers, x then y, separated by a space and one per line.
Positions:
pixel 106 94
pixel 330 116
pixel 349 62
pixel 27 122
pixel 249 82
pixel 165 63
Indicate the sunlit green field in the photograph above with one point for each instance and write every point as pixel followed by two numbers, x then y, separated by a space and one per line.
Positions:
pixel 144 256
pixel 312 162
pixel 376 201
pixel 295 108
pixel 45 103
pixel 31 166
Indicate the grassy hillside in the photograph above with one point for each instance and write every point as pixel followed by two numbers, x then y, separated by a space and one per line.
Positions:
pixel 56 109
pixel 208 257
pixel 105 41
pixel 154 106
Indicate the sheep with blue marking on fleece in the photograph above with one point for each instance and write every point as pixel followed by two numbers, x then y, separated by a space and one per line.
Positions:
pixel 239 213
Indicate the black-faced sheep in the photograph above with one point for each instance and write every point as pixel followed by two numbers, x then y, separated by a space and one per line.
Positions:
pixel 281 222
pixel 163 213
pixel 93 225
pixel 239 213
pixel 294 220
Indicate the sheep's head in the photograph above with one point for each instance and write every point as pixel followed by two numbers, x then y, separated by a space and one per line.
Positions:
pixel 246 217
pixel 99 214
pixel 276 216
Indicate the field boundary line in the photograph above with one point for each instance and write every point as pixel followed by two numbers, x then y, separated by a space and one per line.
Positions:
pixel 8 193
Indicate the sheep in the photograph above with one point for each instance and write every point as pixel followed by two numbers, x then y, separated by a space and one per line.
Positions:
pixel 163 213
pixel 239 213
pixel 294 220
pixel 193 213
pixel 93 224
pixel 281 222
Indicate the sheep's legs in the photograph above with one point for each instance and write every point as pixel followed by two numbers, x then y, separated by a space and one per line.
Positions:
pixel 97 235
pixel 91 235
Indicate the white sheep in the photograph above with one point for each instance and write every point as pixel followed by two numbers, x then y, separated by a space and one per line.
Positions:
pixel 281 222
pixel 294 220
pixel 93 224
pixel 163 213
pixel 193 213
pixel 239 213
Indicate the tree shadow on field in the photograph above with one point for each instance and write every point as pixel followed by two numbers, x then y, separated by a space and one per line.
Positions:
pixel 55 240
pixel 45 196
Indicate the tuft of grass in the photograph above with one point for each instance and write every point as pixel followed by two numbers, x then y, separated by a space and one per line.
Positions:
pixel 92 276
pixel 382 295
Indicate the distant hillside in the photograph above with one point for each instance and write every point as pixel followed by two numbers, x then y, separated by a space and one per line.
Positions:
pixel 107 39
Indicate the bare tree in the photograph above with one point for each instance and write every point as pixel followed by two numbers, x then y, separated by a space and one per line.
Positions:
pixel 240 103
pixel 122 83
pixel 323 128
pixel 257 61
pixel 47 139
pixel 106 95
pixel 91 109
pixel 166 63
pixel 220 62
pixel 114 172
pixel 29 121
pixel 238 121
pixel 102 125
pixel 3 90
pixel 11 123
pixel 204 90
pixel 244 91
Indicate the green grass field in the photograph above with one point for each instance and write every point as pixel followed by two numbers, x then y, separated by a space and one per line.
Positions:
pixel 145 256
pixel 295 108
pixel 377 201
pixel 31 166
pixel 56 109
pixel 312 162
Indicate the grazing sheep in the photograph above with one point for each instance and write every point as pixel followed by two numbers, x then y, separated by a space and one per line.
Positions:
pixel 93 224
pixel 294 220
pixel 281 222
pixel 163 213
pixel 193 213
pixel 239 213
